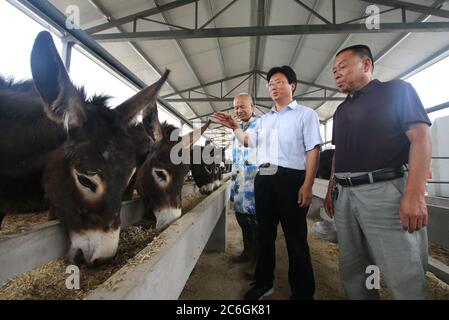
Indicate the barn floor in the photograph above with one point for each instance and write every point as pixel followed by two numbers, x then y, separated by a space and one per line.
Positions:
pixel 215 277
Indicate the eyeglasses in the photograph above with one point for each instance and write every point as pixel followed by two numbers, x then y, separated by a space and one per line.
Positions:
pixel 275 83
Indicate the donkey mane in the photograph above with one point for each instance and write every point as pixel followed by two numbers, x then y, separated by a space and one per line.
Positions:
pixel 9 83
pixel 23 120
pixel 10 87
pixel 167 129
pixel 100 100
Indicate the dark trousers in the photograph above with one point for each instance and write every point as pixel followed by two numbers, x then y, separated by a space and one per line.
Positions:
pixel 277 201
pixel 248 224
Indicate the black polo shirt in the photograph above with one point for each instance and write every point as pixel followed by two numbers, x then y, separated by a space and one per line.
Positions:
pixel 369 128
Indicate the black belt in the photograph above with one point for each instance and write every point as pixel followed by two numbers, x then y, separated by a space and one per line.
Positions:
pixel 376 176
pixel 269 167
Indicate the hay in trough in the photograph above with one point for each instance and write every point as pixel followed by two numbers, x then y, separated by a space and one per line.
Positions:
pixel 48 281
pixel 191 200
pixel 439 253
pixel 18 223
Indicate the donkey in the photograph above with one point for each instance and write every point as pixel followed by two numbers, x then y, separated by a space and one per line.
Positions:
pixel 225 164
pixel 68 154
pixel 206 167
pixel 161 177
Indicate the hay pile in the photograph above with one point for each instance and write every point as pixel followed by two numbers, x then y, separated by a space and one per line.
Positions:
pixel 48 281
pixel 191 200
pixel 439 252
pixel 18 223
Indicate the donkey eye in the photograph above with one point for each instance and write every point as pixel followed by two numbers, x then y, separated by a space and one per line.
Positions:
pixel 161 175
pixel 87 183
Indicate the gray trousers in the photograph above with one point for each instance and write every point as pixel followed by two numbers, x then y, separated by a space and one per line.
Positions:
pixel 369 233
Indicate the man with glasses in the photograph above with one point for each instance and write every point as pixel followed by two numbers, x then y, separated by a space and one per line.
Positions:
pixel 287 141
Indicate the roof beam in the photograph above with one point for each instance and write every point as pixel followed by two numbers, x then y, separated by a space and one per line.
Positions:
pixel 442 106
pixel 400 38
pixel 440 54
pixel 412 7
pixel 219 13
pixel 258 44
pixel 137 48
pixel 253 51
pixel 312 84
pixel 247 76
pixel 208 84
pixel 367 15
pixel 388 48
pixel 300 43
pixel 48 12
pixel 139 15
pixel 184 55
pixel 211 113
pixel 312 11
pixel 210 11
pixel 280 30
pixel 238 85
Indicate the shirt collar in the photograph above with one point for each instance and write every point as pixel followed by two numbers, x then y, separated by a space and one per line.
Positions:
pixel 367 88
pixel 372 84
pixel 292 105
pixel 252 119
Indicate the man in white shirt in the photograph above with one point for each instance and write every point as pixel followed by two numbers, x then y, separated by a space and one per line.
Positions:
pixel 287 140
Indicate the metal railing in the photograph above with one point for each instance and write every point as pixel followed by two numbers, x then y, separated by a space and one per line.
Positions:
pixel 439 182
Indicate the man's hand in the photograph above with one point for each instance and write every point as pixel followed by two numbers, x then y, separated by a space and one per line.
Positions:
pixel 413 212
pixel 226 119
pixel 329 203
pixel 304 196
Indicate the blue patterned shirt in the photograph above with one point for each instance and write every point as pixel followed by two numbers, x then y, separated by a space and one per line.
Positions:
pixel 244 171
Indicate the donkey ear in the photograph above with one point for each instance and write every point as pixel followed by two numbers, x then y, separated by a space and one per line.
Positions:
pixel 190 138
pixel 151 122
pixel 145 97
pixel 62 102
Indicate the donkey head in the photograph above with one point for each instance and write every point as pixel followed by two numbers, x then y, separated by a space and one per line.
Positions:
pixel 85 178
pixel 161 177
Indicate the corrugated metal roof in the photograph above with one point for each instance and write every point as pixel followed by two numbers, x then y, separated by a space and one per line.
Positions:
pixel 196 62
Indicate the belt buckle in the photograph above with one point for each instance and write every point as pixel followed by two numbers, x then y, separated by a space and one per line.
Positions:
pixel 348 181
pixel 268 169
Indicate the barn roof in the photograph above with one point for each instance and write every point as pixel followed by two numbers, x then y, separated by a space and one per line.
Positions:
pixel 218 48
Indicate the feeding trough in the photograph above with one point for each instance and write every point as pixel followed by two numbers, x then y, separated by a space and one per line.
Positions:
pixel 158 271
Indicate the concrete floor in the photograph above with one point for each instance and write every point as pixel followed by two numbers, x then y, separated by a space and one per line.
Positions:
pixel 216 278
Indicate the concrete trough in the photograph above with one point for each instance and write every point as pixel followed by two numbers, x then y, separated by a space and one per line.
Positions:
pixel 20 253
pixel 164 274
pixel 438 228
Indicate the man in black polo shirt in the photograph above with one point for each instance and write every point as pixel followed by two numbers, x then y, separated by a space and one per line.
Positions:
pixel 379 131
